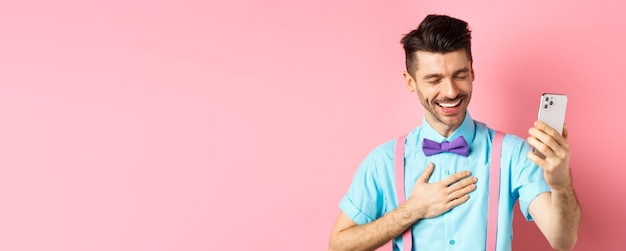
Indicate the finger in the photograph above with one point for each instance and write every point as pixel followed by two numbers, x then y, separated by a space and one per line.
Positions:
pixel 557 143
pixel 461 184
pixel 462 191
pixel 456 202
pixel 545 128
pixel 536 159
pixel 563 151
pixel 455 177
pixel 540 146
pixel 427 173
pixel 545 138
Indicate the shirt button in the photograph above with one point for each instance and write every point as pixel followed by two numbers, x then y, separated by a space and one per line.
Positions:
pixel 452 242
pixel 447 172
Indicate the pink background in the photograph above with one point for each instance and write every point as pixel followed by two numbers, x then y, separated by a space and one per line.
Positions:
pixel 237 125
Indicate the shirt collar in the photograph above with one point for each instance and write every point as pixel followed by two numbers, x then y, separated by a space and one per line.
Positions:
pixel 467 130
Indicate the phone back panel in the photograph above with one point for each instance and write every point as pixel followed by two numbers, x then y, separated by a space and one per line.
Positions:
pixel 552 110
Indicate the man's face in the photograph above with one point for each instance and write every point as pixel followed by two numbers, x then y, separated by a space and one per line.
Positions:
pixel 443 83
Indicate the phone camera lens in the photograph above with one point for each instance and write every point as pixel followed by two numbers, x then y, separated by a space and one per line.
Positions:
pixel 545 106
pixel 551 102
pixel 547 99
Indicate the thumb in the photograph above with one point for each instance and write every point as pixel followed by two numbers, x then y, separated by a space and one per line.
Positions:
pixel 427 173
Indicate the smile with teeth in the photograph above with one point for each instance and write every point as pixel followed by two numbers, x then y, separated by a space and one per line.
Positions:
pixel 449 104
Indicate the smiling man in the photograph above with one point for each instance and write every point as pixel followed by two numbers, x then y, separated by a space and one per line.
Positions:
pixel 447 207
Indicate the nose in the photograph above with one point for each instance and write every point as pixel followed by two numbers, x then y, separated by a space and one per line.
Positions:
pixel 448 89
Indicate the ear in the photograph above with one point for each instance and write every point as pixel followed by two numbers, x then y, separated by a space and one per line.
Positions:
pixel 409 82
pixel 473 76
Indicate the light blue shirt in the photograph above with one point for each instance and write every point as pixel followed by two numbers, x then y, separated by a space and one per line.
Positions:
pixel 372 192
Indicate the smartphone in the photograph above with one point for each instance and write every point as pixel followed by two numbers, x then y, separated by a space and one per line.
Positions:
pixel 552 112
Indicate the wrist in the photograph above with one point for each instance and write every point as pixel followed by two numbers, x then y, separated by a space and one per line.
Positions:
pixel 564 189
pixel 563 183
pixel 407 215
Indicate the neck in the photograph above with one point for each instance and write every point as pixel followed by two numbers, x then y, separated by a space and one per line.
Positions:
pixel 443 128
pixel 446 131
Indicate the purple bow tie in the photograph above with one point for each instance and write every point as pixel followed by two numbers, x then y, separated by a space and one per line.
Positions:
pixel 458 146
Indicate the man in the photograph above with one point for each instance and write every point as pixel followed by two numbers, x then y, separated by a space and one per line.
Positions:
pixel 447 205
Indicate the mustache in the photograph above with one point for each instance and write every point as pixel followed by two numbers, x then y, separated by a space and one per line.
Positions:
pixel 449 99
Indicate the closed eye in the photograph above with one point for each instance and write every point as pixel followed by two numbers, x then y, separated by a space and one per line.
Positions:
pixel 461 74
pixel 433 80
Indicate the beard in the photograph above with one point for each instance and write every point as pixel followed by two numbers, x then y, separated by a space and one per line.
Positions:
pixel 447 112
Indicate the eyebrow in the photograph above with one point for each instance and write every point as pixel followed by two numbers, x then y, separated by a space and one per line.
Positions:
pixel 438 75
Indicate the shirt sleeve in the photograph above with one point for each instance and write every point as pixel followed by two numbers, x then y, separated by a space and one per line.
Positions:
pixel 526 178
pixel 364 202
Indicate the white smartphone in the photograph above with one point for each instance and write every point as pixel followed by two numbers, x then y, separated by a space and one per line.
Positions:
pixel 552 109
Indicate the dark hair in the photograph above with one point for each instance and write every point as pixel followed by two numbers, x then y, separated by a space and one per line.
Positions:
pixel 436 33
